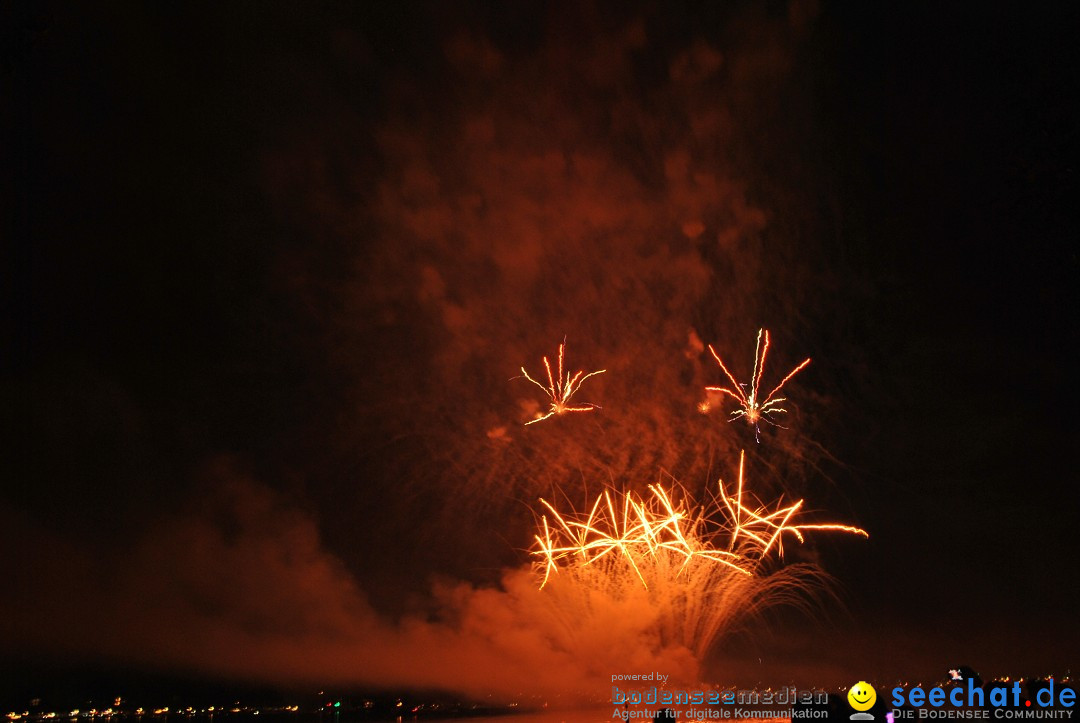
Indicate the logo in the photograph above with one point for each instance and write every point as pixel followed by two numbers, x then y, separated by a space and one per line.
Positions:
pixel 862 697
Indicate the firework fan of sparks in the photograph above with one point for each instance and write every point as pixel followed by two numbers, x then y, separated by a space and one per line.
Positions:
pixel 752 406
pixel 561 387
pixel 700 570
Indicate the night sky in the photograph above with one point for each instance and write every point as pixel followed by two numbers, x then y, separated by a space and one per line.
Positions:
pixel 276 266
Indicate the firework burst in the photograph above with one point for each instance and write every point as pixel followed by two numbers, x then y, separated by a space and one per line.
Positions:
pixel 764 528
pixel 699 569
pixel 753 406
pixel 561 387
pixel 636 531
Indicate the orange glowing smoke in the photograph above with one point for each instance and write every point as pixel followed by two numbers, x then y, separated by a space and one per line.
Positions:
pixel 561 387
pixel 752 406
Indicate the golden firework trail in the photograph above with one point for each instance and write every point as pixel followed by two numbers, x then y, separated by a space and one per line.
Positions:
pixel 765 528
pixel 695 572
pixel 561 387
pixel 641 530
pixel 753 406
pixel 636 530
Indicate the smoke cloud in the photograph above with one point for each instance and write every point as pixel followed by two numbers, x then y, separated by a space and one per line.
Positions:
pixel 241 586
pixel 559 174
pixel 591 182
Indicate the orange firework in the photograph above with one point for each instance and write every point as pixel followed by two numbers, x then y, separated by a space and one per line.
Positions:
pixel 752 406
pixel 765 528
pixel 699 570
pixel 561 387
pixel 643 529
pixel 640 529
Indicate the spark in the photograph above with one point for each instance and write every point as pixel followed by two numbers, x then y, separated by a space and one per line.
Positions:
pixel 701 568
pixel 766 528
pixel 642 528
pixel 645 528
pixel 752 406
pixel 561 387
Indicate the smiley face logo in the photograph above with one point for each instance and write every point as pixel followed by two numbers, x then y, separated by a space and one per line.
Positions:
pixel 862 696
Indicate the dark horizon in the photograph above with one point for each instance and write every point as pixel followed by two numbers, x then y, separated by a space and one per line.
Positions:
pixel 275 265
